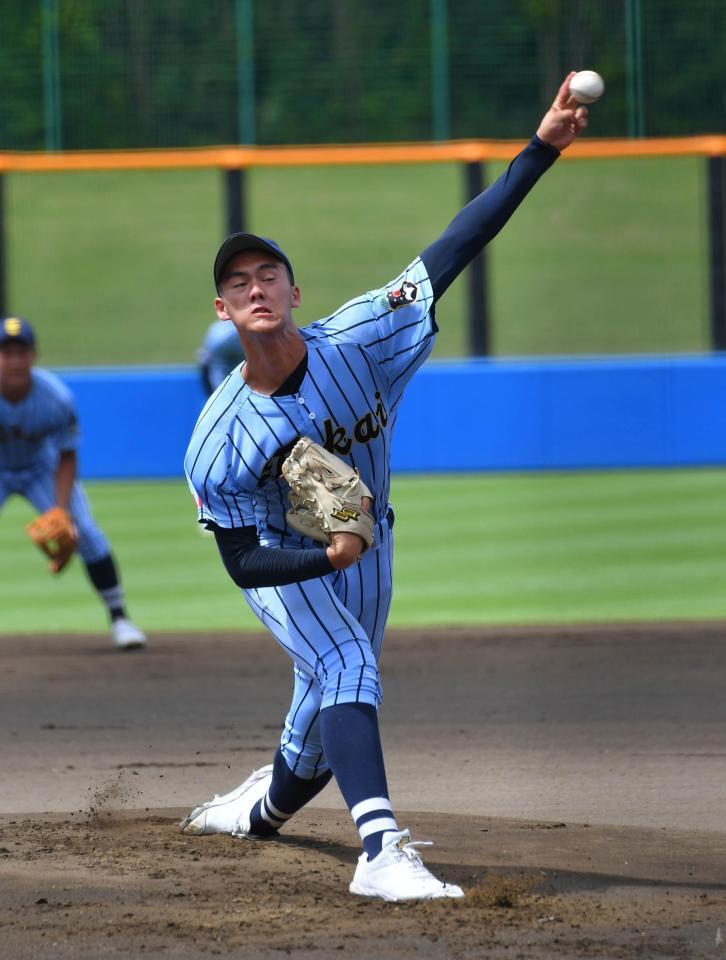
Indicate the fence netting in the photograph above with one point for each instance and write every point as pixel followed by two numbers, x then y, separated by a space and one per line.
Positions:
pixel 93 74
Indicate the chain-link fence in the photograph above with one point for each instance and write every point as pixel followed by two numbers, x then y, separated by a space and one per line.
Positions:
pixel 90 74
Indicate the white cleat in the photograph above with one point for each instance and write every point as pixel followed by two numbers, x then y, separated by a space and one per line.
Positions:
pixel 126 635
pixel 398 873
pixel 230 813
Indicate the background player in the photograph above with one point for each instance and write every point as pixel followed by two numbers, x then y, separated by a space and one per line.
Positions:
pixel 38 438
pixel 220 352
pixel 339 381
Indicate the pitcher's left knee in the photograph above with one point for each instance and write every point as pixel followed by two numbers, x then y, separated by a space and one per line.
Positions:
pixel 356 684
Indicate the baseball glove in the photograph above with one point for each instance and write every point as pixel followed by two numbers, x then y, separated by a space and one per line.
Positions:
pixel 54 533
pixel 325 494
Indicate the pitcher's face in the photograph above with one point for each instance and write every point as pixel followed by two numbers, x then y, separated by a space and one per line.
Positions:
pixel 256 293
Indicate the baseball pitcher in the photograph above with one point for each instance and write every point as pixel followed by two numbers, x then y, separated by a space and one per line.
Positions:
pixel 289 467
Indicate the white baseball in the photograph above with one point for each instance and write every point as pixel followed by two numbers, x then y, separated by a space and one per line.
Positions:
pixel 587 86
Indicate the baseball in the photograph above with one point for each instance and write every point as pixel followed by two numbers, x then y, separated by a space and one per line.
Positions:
pixel 587 86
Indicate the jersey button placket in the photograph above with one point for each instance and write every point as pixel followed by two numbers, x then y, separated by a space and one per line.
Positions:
pixel 304 406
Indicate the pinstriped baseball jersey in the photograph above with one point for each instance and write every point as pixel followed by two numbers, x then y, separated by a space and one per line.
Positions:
pixel 32 434
pixel 360 359
pixel 41 424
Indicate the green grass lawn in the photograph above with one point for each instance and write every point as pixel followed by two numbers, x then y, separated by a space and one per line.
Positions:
pixel 471 549
pixel 603 257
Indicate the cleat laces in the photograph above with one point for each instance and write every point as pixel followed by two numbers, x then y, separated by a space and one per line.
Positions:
pixel 415 865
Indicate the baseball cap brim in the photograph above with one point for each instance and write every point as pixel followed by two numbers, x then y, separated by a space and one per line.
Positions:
pixel 238 243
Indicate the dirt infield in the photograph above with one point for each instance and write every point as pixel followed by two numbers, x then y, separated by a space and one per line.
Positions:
pixel 572 780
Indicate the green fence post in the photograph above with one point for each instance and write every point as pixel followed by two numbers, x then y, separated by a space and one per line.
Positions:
pixel 51 76
pixel 634 68
pixel 244 19
pixel 440 101
pixel 235 180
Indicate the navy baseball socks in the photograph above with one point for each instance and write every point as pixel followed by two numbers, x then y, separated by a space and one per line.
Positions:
pixel 390 867
pixel 352 745
pixel 286 794
pixel 257 808
pixel 104 577
pixel 268 798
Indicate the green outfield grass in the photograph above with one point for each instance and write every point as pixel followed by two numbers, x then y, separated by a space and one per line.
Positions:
pixel 471 549
pixel 603 257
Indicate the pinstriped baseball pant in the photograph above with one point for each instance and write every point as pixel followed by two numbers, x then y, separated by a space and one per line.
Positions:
pixel 39 488
pixel 332 628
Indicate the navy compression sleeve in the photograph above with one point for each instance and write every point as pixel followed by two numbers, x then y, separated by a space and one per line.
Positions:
pixel 251 565
pixel 482 219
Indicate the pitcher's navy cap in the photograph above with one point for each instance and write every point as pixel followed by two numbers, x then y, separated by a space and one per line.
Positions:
pixel 16 330
pixel 238 242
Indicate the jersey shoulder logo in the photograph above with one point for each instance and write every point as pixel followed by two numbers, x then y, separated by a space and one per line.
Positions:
pixel 402 297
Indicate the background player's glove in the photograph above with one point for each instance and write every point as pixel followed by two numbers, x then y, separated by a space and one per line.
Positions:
pixel 55 534
pixel 325 494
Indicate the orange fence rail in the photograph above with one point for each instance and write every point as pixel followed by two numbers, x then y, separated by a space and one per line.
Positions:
pixel 464 151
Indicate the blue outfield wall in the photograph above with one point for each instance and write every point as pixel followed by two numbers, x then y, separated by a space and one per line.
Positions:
pixel 463 415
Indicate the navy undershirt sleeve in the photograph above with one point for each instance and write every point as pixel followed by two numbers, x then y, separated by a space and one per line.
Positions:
pixel 251 565
pixel 482 219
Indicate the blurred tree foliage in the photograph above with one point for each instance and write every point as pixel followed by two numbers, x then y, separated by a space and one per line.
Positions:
pixel 152 73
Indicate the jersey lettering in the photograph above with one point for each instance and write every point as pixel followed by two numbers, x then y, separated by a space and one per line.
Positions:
pixel 336 440
pixel 365 429
pixel 17 433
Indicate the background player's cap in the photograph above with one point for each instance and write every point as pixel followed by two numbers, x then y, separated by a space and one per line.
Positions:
pixel 238 242
pixel 16 330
